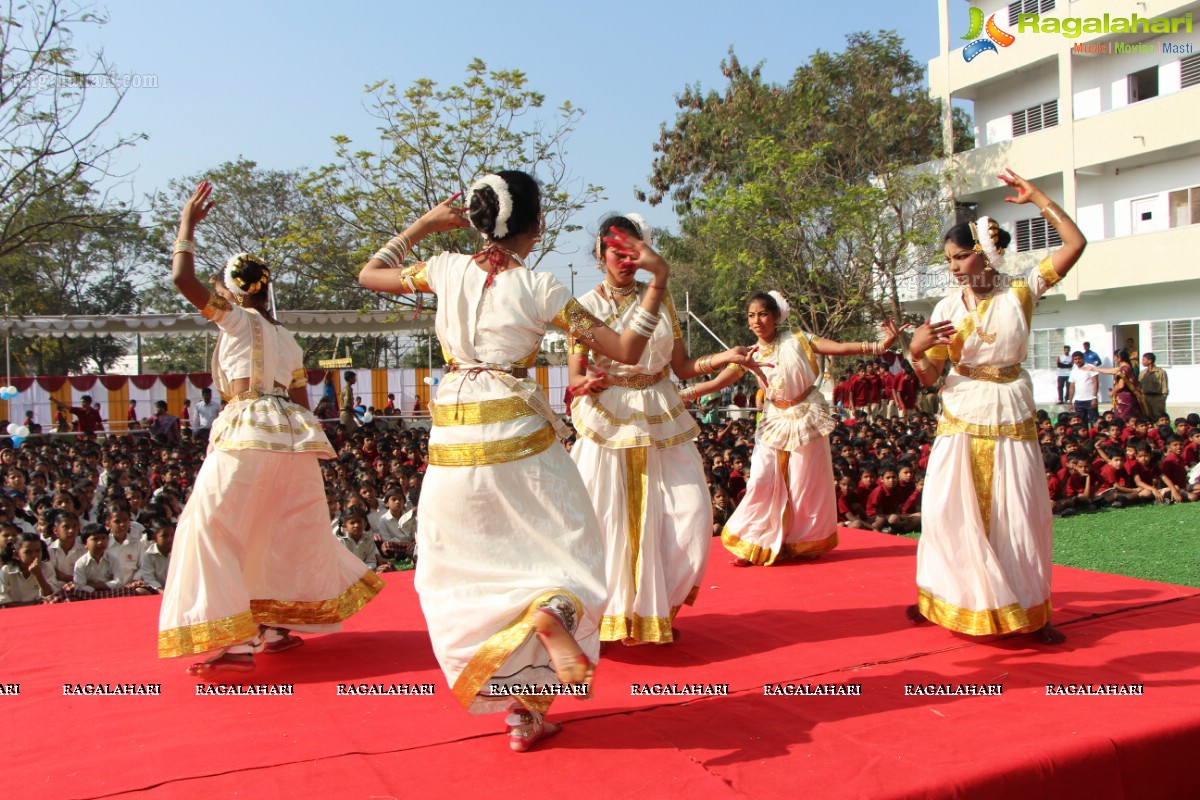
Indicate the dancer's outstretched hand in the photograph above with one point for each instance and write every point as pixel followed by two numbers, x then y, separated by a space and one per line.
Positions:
pixel 891 333
pixel 197 206
pixel 1026 191
pixel 445 216
pixel 634 252
pixel 930 335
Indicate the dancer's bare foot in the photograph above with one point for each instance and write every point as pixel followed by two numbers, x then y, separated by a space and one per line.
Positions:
pixel 742 562
pixel 570 663
pixel 915 616
pixel 527 727
pixel 1048 634
pixel 224 663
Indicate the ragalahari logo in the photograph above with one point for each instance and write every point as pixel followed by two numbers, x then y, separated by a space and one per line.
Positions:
pixel 982 44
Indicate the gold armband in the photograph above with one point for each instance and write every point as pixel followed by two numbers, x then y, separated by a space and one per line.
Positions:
pixel 216 308
pixel 576 320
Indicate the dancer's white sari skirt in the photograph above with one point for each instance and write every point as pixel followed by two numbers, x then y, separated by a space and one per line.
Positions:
pixel 253 548
pixel 992 579
pixel 656 518
pixel 498 541
pixel 790 508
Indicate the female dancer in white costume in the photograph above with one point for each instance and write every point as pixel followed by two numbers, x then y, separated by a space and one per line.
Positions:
pixel 637 455
pixel 789 510
pixel 253 558
pixel 983 563
pixel 508 538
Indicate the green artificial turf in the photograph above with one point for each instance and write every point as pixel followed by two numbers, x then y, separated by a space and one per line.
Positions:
pixel 1157 543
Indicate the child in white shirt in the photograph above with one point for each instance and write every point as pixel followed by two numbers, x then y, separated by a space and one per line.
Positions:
pixel 152 570
pixel 123 550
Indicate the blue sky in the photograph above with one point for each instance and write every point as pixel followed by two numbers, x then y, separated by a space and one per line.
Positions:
pixel 273 82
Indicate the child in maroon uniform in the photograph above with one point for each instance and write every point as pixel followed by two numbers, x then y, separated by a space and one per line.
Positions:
pixel 1145 473
pixel 1174 472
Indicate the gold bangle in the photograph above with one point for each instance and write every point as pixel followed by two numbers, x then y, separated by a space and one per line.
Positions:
pixel 704 364
pixel 1054 215
pixel 183 246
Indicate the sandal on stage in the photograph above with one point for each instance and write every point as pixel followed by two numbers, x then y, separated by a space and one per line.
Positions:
pixel 223 663
pixel 570 664
pixel 287 641
pixel 526 727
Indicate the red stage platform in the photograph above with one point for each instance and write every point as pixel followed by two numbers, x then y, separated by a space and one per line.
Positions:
pixel 838 620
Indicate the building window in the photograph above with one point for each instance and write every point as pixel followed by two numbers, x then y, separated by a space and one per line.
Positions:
pixel 1185 207
pixel 1045 347
pixel 1036 234
pixel 1015 10
pixel 1035 119
pixel 1175 342
pixel 1143 84
pixel 1189 71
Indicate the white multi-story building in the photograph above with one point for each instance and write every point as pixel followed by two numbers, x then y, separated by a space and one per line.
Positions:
pixel 1108 125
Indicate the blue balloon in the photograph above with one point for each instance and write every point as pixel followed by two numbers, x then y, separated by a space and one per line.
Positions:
pixel 4 394
pixel 16 440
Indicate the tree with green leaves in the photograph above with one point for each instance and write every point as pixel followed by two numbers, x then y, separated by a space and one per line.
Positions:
pixel 434 142
pixel 53 111
pixel 808 187
pixel 93 270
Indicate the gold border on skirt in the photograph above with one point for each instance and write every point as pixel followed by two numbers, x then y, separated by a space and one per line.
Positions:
pixel 485 412
pixel 764 557
pixel 482 454
pixel 492 654
pixel 203 637
pixel 986 622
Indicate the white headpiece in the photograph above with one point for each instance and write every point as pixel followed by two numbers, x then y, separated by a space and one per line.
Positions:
pixel 643 227
pixel 784 307
pixel 986 242
pixel 504 197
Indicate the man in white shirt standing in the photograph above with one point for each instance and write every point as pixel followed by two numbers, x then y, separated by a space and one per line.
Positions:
pixel 1064 372
pixel 1083 388
pixel 206 412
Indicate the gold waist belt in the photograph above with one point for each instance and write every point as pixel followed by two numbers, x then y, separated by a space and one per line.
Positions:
pixel 789 403
pixel 636 381
pixel 254 394
pixel 517 372
pixel 1005 374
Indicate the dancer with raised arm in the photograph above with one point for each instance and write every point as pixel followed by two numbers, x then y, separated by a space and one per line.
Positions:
pixel 983 563
pixel 637 455
pixel 253 561
pixel 790 508
pixel 511 573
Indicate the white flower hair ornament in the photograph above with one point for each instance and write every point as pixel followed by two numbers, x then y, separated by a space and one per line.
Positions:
pixel 986 244
pixel 785 308
pixel 239 288
pixel 644 232
pixel 503 196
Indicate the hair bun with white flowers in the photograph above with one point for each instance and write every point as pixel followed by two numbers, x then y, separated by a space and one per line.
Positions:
pixel 490 206
pixel 246 274
pixel 785 307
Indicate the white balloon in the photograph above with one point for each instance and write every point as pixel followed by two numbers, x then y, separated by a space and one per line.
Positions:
pixel 13 428
pixel 22 432
pixel 14 391
pixel 429 381
pixel 368 418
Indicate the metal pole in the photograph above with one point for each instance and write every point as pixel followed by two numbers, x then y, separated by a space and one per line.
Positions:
pixel 687 305
pixel 571 266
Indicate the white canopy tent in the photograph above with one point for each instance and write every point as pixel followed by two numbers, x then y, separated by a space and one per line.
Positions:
pixel 301 323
